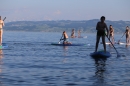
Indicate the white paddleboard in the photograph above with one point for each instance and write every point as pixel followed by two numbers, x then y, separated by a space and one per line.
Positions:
pixel 106 43
pixel 122 43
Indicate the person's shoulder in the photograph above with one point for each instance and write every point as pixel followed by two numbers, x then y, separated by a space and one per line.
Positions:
pixel 112 28
pixel 98 22
pixel 2 21
pixel 105 24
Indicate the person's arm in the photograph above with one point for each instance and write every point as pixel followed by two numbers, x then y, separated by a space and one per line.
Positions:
pixel 113 31
pixel 129 32
pixel 107 29
pixel 2 23
pixel 97 26
pixel 125 31
pixel 109 32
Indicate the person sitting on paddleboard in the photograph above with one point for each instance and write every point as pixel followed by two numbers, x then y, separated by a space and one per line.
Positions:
pixel 101 26
pixel 111 33
pixel 65 38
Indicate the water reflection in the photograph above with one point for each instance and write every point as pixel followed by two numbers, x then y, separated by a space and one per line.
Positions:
pixel 1 56
pixel 65 48
pixel 100 65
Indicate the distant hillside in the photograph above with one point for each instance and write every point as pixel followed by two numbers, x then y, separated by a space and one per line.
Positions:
pixel 58 26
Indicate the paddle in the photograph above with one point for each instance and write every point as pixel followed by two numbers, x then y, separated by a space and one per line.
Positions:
pixel 60 39
pixel 4 18
pixel 121 38
pixel 113 46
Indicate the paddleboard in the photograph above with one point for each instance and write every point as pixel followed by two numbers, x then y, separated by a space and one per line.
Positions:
pixel 3 46
pixel 82 37
pixel 79 37
pixel 122 43
pixel 56 44
pixel 101 54
pixel 85 37
pixel 107 43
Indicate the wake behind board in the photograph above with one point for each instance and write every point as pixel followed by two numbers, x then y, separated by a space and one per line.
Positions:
pixel 101 54
pixel 56 44
pixel 3 46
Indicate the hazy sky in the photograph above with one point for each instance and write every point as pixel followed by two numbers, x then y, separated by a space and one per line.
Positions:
pixel 18 10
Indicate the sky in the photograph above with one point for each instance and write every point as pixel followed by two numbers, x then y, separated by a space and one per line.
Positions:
pixel 40 10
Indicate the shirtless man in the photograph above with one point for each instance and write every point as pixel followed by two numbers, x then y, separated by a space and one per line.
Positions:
pixel 111 33
pixel 65 38
pixel 1 30
pixel 101 26
pixel 73 34
pixel 127 32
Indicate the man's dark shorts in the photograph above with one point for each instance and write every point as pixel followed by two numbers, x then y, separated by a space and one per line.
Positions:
pixel 100 33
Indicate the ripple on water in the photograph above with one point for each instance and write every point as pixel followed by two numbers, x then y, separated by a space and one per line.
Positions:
pixel 32 61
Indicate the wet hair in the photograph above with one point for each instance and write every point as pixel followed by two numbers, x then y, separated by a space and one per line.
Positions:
pixel 110 26
pixel 127 27
pixel 103 17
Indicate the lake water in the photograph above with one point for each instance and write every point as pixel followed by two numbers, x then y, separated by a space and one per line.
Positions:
pixel 31 60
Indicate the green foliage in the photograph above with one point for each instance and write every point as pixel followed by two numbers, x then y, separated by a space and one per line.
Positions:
pixel 88 26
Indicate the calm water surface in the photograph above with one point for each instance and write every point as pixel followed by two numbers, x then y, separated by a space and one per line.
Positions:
pixel 31 60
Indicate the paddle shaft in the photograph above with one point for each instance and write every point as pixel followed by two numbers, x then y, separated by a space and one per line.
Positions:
pixel 121 37
pixel 4 18
pixel 60 39
pixel 112 43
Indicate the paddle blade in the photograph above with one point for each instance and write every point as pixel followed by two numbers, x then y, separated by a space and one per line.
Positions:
pixel 118 55
pixel 4 18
